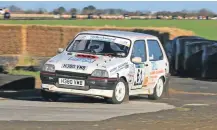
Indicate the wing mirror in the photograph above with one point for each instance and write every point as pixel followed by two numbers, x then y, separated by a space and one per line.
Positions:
pixel 60 50
pixel 137 60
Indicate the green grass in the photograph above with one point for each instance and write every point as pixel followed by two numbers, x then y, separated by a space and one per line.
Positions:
pixel 23 72
pixel 204 28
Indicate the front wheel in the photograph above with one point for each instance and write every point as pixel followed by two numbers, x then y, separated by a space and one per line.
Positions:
pixel 120 93
pixel 158 90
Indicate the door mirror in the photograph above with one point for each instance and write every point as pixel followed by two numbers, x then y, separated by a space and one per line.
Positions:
pixel 60 50
pixel 137 60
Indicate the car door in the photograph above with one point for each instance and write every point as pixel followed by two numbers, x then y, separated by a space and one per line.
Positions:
pixel 159 62
pixel 140 69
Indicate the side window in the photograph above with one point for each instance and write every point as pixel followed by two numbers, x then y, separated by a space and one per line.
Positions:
pixel 139 50
pixel 155 52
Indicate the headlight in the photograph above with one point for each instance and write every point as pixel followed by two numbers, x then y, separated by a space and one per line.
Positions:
pixel 100 73
pixel 49 68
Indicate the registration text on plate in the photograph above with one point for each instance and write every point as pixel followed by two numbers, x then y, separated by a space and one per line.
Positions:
pixel 71 82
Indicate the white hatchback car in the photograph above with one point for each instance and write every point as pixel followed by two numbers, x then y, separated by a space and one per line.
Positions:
pixel 2 11
pixel 109 64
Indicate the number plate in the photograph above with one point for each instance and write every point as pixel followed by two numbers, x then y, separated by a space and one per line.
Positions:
pixel 71 82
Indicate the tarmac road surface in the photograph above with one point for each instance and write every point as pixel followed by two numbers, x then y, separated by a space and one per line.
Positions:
pixel 192 105
pixel 68 111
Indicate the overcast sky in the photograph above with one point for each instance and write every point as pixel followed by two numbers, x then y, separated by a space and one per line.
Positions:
pixel 128 5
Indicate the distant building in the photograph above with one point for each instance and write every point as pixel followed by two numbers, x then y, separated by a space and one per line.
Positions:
pixel 126 16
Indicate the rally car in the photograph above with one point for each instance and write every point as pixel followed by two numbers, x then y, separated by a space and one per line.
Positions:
pixel 109 64
pixel 2 11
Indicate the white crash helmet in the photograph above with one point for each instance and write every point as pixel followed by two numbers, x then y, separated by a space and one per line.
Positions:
pixel 99 44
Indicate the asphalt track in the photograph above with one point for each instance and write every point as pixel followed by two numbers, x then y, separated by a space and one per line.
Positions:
pixel 46 111
pixel 30 107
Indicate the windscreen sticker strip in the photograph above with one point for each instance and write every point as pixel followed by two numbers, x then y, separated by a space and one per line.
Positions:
pixel 104 38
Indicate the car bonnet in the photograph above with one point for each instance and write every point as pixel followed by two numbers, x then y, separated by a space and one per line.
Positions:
pixel 84 63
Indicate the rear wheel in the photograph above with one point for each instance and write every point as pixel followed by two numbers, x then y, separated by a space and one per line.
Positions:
pixel 49 96
pixel 158 90
pixel 120 93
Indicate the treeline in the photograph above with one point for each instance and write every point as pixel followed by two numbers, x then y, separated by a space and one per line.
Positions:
pixel 93 10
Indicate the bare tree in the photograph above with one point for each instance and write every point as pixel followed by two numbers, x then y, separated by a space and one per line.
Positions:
pixel 14 8
pixel 59 10
pixel 89 9
pixel 73 11
pixel 205 12
pixel 41 11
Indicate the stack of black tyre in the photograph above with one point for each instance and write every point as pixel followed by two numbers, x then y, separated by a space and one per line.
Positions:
pixel 192 56
pixel 7 15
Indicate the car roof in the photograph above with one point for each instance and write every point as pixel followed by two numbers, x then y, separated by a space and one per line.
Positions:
pixel 123 34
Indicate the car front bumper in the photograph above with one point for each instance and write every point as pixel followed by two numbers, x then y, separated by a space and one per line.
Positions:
pixel 93 85
pixel 91 92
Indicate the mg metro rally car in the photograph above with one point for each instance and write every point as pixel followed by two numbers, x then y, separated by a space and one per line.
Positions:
pixel 109 64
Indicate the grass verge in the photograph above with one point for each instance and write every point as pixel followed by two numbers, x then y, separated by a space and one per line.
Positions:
pixel 204 28
pixel 24 72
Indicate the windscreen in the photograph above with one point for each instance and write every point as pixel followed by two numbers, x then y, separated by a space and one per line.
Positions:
pixel 101 45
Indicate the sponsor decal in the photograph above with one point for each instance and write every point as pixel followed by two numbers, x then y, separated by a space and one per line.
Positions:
pixel 86 56
pixel 154 66
pixel 71 66
pixel 80 37
pixel 145 82
pixel 103 66
pixel 113 69
pixel 96 37
pixel 104 38
pixel 152 83
pixel 139 77
pixel 154 75
pixel 131 73
pixel 88 60
pixel 79 67
pixel 139 65
pixel 120 67
pixel 124 65
pixel 157 72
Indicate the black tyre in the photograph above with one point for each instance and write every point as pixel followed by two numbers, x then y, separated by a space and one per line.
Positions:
pixel 158 90
pixel 120 93
pixel 49 96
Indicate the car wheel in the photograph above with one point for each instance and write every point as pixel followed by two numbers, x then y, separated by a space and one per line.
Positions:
pixel 49 96
pixel 158 90
pixel 120 93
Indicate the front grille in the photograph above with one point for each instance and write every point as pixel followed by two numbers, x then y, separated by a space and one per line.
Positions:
pixel 66 74
pixel 73 87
